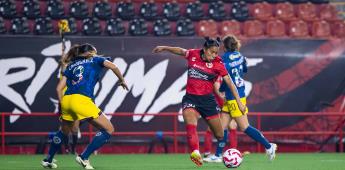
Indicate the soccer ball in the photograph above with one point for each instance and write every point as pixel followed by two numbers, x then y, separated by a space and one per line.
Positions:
pixel 232 158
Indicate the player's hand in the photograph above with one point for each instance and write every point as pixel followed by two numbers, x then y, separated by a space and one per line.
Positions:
pixel 242 107
pixel 158 49
pixel 123 84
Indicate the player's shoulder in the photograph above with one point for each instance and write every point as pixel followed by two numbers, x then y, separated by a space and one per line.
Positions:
pixel 218 59
pixel 232 55
pixel 194 51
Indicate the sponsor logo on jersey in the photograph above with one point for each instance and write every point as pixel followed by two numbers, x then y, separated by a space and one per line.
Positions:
pixel 209 65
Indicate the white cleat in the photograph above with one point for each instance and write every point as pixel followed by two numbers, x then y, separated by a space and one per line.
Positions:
pixel 48 165
pixel 213 159
pixel 84 163
pixel 271 152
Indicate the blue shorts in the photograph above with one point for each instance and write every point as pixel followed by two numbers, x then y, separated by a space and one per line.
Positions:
pixel 206 105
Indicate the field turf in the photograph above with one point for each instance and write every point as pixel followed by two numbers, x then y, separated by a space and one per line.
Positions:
pixel 310 161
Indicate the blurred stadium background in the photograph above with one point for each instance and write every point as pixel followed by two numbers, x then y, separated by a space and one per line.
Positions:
pixel 296 80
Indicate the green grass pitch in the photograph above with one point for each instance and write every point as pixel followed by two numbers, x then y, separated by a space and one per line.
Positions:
pixel 310 161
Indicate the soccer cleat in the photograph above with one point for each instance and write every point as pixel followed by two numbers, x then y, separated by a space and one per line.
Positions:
pixel 48 165
pixel 84 163
pixel 271 152
pixel 213 159
pixel 196 157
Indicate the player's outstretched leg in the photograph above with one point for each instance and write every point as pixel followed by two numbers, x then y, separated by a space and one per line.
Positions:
pixel 101 137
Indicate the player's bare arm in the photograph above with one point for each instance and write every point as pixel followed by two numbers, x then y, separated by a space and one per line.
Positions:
pixel 234 91
pixel 60 86
pixel 175 50
pixel 117 72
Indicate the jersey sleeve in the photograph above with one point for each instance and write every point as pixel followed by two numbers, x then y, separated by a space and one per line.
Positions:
pixel 188 54
pixel 100 60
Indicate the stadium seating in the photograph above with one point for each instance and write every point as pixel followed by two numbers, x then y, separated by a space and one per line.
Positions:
pixel 207 28
pixel 328 12
pixel 262 11
pixel 306 11
pixel 298 1
pixel 72 23
pixel 115 27
pixel 208 1
pixel 184 27
pixel 149 11
pixel 319 1
pixel 125 10
pixel 8 9
pixel 254 1
pixel 165 17
pixel 298 29
pixel 91 26
pixel 194 11
pixel 171 11
pixel 275 1
pixel 102 10
pixel 240 11
pixel 230 27
pixel 55 9
pixel 138 27
pixel 216 11
pixel 43 26
pixel 321 29
pixel 20 26
pixel 285 12
pixel 275 28
pixel 231 1
pixel 162 27
pixel 338 29
pixel 2 26
pixel 253 28
pixel 79 10
pixel 31 9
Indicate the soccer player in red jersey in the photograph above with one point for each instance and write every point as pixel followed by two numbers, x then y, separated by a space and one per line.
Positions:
pixel 204 66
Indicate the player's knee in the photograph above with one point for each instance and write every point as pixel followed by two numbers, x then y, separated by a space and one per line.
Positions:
pixel 243 128
pixel 110 129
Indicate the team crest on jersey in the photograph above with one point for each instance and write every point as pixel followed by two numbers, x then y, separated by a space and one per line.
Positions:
pixel 56 140
pixel 193 59
pixel 234 56
pixel 209 65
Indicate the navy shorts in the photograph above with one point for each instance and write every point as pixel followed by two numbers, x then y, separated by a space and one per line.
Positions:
pixel 206 105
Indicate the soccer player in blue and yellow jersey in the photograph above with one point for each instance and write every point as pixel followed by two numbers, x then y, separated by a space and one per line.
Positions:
pixel 204 67
pixel 236 65
pixel 81 75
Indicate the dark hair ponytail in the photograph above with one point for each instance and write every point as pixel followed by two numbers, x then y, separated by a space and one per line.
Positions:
pixel 210 42
pixel 231 43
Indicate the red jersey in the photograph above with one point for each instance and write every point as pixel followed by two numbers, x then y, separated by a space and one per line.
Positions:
pixel 202 74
